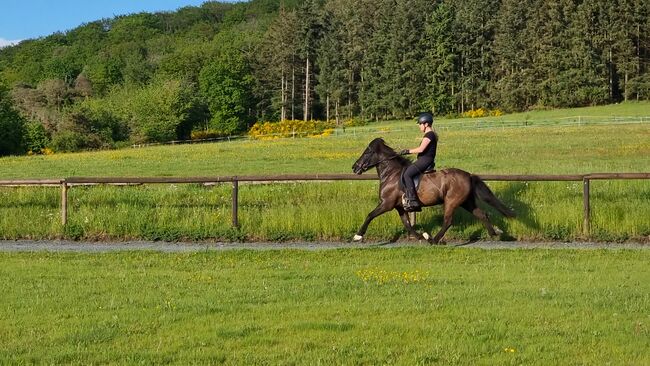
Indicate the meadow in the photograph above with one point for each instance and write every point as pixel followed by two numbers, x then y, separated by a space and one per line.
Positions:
pixel 411 306
pixel 414 305
pixel 335 210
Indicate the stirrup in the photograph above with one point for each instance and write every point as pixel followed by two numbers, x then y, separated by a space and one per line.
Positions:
pixel 411 205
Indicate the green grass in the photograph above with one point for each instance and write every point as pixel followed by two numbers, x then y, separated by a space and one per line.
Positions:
pixel 334 211
pixel 370 306
pixel 577 149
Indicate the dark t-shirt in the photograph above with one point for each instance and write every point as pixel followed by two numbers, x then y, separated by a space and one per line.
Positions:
pixel 430 151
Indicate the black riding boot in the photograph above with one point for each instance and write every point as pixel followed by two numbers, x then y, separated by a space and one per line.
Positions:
pixel 412 202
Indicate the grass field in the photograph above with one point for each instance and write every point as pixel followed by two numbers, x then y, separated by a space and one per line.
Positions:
pixel 333 211
pixel 366 306
pixel 409 306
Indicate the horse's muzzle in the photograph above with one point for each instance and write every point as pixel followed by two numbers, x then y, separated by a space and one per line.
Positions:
pixel 357 169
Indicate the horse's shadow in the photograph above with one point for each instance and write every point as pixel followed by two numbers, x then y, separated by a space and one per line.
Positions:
pixel 463 220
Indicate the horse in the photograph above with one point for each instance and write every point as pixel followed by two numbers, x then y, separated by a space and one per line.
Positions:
pixel 451 187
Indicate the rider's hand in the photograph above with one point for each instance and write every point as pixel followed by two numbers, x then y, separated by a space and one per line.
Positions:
pixel 404 152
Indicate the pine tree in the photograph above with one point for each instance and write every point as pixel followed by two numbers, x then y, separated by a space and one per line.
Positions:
pixel 275 68
pixel 438 62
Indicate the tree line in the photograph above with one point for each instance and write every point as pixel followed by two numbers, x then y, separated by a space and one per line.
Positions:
pixel 218 68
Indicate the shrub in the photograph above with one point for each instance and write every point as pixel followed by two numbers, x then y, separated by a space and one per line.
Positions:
pixel 482 112
pixel 36 139
pixel 290 128
pixel 207 134
pixel 354 122
pixel 69 141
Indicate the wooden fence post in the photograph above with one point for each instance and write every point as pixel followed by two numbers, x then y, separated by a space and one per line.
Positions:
pixel 586 227
pixel 235 202
pixel 64 203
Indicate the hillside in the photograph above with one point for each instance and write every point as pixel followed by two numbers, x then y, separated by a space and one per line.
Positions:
pixel 221 67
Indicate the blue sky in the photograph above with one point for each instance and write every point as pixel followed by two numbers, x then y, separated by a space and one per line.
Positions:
pixel 24 19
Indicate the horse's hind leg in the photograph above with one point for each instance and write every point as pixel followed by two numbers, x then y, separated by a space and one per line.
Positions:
pixel 446 223
pixel 407 223
pixel 471 206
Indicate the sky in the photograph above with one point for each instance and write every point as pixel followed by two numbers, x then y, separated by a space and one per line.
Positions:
pixel 25 19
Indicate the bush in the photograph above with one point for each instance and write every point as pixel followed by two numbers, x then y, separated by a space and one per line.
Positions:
pixel 289 128
pixel 482 112
pixel 207 134
pixel 36 139
pixel 69 141
pixel 355 122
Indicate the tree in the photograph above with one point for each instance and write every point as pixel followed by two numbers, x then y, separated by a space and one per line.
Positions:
pixel 275 69
pixel 12 126
pixel 225 85
pixel 474 29
pixel 332 68
pixel 309 33
pixel 439 60
pixel 513 87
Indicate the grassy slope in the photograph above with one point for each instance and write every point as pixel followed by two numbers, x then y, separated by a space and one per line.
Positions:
pixel 510 150
pixel 334 210
pixel 375 306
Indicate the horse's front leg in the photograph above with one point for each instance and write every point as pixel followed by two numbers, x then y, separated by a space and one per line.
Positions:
pixel 383 207
pixel 407 223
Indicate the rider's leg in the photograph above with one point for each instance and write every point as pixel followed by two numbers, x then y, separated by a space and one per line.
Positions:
pixel 412 202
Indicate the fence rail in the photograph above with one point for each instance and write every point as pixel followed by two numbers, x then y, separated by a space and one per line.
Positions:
pixel 67 183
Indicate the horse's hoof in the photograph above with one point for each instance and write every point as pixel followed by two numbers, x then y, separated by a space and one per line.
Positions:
pixel 357 238
pixel 436 242
pixel 426 236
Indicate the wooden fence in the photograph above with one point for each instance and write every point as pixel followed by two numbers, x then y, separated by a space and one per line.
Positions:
pixel 66 183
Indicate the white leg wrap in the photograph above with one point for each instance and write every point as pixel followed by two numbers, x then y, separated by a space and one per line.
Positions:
pixel 357 237
pixel 498 231
pixel 426 235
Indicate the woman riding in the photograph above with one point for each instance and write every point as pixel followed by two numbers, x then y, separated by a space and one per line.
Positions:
pixel 425 161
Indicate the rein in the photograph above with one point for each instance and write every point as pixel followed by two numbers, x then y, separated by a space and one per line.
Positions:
pixel 382 160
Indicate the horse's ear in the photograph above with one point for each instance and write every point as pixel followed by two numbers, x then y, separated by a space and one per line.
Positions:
pixel 374 143
pixel 377 142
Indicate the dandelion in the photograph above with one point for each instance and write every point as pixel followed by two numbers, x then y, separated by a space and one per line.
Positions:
pixel 509 350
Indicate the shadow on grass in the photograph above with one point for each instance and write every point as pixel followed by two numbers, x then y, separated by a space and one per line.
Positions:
pixel 463 220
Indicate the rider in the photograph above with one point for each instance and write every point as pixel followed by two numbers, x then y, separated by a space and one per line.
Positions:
pixel 426 160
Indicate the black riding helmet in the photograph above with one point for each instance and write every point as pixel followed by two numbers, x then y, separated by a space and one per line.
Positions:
pixel 425 118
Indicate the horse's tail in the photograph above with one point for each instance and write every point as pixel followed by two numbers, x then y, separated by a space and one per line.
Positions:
pixel 482 191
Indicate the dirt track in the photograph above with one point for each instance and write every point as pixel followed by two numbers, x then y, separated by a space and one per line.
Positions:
pixel 100 247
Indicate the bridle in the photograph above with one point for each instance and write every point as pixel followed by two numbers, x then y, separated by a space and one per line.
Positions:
pixel 381 161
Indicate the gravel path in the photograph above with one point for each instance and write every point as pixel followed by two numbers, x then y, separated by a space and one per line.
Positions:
pixel 101 247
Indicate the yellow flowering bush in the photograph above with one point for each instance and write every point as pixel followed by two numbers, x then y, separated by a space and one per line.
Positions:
pixel 44 151
pixel 482 112
pixel 290 128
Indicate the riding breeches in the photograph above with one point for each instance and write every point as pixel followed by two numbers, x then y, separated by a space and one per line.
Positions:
pixel 418 167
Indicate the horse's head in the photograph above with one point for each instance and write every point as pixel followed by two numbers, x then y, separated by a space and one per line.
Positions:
pixel 372 155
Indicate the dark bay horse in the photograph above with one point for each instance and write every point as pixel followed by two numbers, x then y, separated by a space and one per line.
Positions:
pixel 450 187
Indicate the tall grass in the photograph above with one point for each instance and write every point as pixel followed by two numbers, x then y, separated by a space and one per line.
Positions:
pixel 334 210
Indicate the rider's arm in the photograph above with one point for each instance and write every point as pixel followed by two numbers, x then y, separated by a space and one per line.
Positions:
pixel 422 147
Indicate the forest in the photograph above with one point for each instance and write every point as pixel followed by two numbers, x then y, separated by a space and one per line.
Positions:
pixel 217 69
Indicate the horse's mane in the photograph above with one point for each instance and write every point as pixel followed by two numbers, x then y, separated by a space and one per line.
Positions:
pixel 380 147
